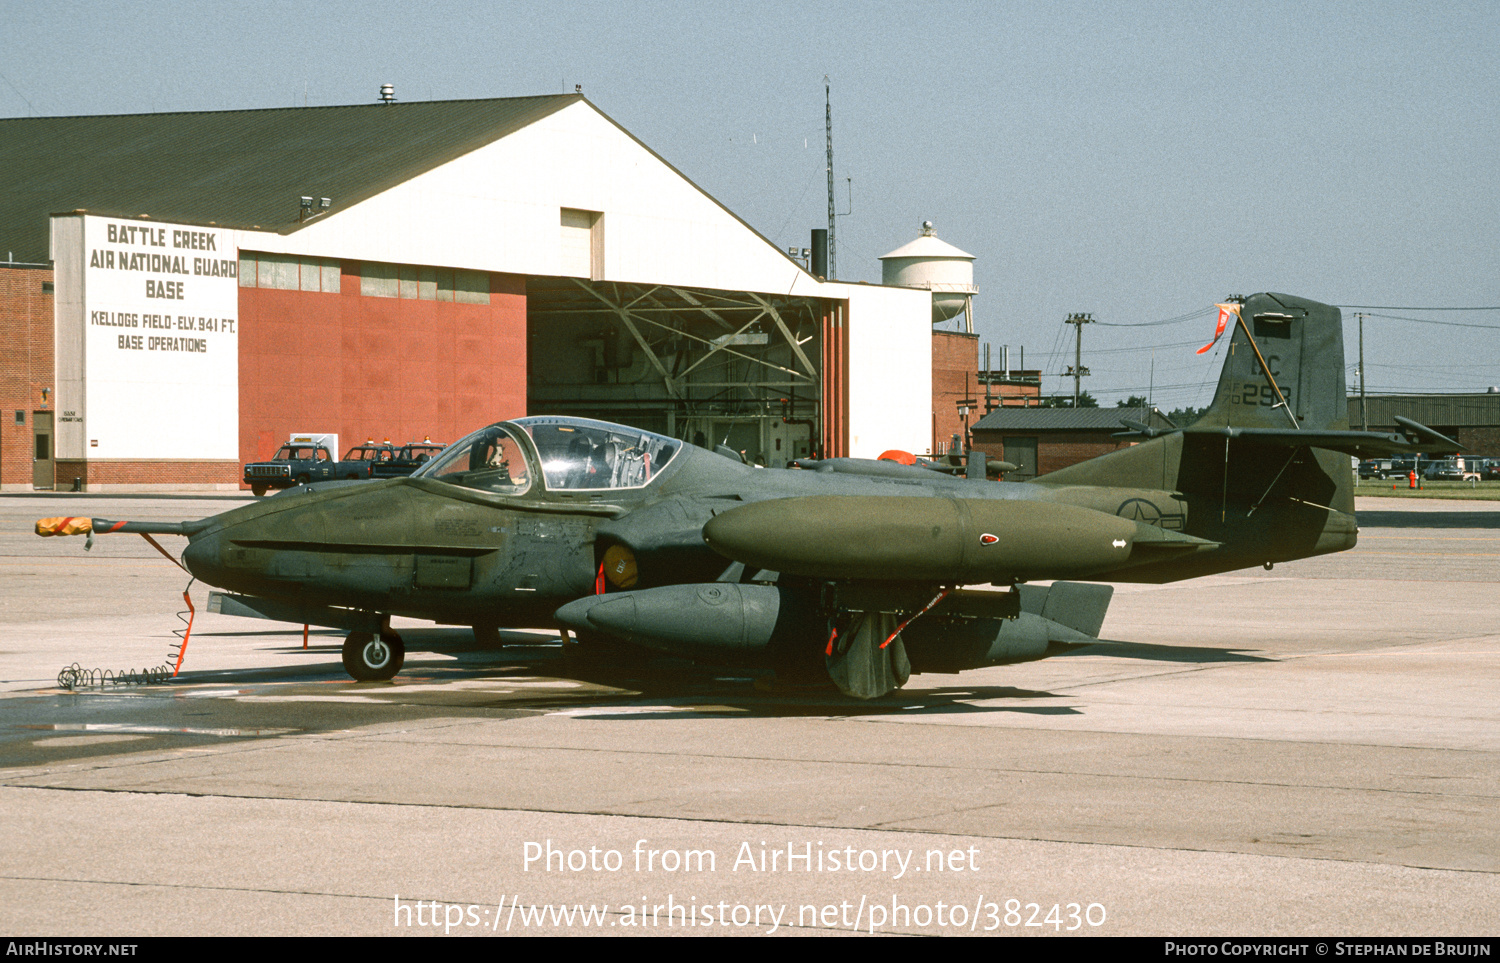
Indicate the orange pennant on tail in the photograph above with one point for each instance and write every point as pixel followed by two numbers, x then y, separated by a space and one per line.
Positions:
pixel 1226 311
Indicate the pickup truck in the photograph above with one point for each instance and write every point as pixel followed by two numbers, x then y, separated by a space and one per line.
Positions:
pixel 309 458
pixel 407 460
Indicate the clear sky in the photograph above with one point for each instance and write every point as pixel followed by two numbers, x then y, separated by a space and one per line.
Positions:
pixel 1138 161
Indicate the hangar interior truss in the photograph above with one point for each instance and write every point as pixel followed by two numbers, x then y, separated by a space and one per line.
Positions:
pixel 737 368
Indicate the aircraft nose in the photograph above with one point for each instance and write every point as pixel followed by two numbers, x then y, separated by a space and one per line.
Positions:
pixel 202 558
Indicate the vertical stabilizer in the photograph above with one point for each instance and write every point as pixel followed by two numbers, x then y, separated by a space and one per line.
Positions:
pixel 1300 384
pixel 1244 474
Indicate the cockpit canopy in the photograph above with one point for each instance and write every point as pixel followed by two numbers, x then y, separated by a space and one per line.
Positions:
pixel 572 454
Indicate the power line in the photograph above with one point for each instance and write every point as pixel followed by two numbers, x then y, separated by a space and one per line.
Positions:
pixel 1429 367
pixel 1404 307
pixel 1193 316
pixel 1446 324
pixel 1145 347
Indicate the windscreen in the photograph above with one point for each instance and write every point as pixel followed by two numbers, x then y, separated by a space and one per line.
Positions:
pixel 491 460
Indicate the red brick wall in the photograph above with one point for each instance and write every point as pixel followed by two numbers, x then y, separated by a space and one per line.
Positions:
pixel 148 473
pixel 954 377
pixel 1053 451
pixel 1483 441
pixel 1060 451
pixel 25 365
pixel 369 367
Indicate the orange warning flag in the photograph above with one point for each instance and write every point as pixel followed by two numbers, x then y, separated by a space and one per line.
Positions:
pixel 1226 311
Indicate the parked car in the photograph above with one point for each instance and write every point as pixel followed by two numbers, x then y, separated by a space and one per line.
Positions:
pixel 1453 469
pixel 310 457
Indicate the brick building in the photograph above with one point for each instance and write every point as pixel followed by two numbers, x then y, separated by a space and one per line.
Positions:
pixel 959 383
pixel 26 373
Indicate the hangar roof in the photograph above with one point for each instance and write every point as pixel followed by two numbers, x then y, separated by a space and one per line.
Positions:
pixel 1472 409
pixel 238 168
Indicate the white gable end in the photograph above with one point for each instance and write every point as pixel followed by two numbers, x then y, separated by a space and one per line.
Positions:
pixel 500 208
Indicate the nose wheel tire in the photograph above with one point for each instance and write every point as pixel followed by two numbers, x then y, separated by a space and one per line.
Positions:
pixel 371 659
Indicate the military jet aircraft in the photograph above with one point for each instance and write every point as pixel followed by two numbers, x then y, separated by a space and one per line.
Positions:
pixel 849 572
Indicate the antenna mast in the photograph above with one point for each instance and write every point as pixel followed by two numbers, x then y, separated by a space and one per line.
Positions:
pixel 833 271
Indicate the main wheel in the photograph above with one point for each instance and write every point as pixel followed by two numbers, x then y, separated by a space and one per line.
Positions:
pixel 258 490
pixel 371 659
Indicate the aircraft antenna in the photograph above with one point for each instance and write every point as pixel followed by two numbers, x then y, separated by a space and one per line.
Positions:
pixel 833 271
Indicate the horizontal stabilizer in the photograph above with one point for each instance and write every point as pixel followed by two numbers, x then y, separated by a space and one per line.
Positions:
pixel 1362 444
pixel 1155 537
pixel 1421 434
pixel 1140 429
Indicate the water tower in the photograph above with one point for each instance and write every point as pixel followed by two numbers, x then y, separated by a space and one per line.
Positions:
pixel 938 267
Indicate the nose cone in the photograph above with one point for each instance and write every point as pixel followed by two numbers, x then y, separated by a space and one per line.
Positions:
pixel 253 549
pixel 610 613
pixel 202 559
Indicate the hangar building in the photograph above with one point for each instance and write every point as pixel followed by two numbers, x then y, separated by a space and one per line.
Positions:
pixel 183 291
pixel 1471 419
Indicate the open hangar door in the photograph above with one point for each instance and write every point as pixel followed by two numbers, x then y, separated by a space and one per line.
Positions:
pixel 736 368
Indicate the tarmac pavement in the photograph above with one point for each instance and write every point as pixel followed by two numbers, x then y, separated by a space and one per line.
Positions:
pixel 1311 750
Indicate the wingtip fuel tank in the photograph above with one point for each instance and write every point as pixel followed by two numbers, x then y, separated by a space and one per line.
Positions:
pixel 943 540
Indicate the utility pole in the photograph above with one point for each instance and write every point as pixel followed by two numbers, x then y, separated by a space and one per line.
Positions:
pixel 1076 369
pixel 833 271
pixel 1364 416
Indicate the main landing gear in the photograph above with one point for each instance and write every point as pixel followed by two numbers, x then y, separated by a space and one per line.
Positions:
pixel 369 658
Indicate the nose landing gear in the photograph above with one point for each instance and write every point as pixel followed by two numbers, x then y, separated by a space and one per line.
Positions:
pixel 369 658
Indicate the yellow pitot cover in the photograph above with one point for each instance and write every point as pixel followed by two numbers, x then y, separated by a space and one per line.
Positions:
pixel 64 526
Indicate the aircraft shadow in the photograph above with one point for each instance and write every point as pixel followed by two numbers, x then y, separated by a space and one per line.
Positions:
pixel 622 678
pixel 1397 519
pixel 1150 652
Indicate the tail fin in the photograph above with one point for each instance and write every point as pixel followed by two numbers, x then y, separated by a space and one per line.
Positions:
pixel 1288 376
pixel 1291 375
pixel 1254 473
